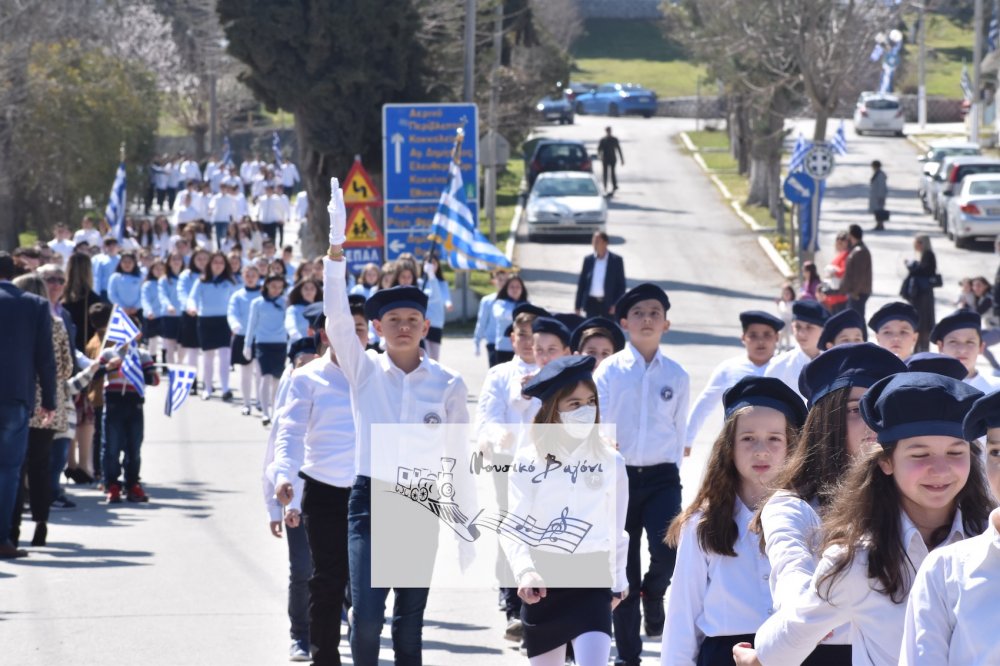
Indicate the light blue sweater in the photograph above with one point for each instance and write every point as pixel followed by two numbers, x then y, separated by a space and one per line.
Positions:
pixel 125 290
pixel 150 299
pixel 239 309
pixel 211 299
pixel 167 289
pixel 267 321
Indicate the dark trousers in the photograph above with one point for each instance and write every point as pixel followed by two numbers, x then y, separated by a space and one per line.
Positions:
pixel 171 197
pixel 609 167
pixel 13 449
pixel 300 569
pixel 654 500
pixel 596 307
pixel 369 602
pixel 60 454
pixel 491 354
pixel 161 196
pixel 324 513
pixel 98 443
pixel 512 602
pixel 123 431
pixel 858 304
pixel 36 472
pixel 270 230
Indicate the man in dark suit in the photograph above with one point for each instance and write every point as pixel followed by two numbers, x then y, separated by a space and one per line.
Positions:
pixel 602 280
pixel 26 355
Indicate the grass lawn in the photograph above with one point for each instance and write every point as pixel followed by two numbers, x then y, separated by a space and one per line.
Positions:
pixel 621 50
pixel 948 45
pixel 27 238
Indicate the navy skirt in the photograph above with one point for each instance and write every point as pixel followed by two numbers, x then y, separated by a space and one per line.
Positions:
pixel 151 328
pixel 271 356
pixel 563 615
pixel 188 331
pixel 214 333
pixel 236 351
pixel 170 327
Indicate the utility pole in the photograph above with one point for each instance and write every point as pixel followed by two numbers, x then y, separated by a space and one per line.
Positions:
pixel 491 134
pixel 469 86
pixel 213 113
pixel 977 59
pixel 922 69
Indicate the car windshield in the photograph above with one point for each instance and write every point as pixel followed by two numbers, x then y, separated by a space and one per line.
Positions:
pixel 985 187
pixel 561 151
pixel 877 104
pixel 565 187
pixel 970 169
pixel 937 155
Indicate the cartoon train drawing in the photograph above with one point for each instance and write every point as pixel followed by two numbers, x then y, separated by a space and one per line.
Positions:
pixel 436 492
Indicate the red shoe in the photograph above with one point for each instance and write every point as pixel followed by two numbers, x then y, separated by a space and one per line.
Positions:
pixel 114 493
pixel 136 494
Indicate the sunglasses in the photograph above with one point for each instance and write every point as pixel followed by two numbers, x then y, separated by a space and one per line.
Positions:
pixel 55 280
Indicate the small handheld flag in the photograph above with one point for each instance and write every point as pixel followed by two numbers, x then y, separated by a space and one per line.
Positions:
pixel 276 147
pixel 227 152
pixel 839 143
pixel 181 378
pixel 132 369
pixel 114 214
pixel 121 329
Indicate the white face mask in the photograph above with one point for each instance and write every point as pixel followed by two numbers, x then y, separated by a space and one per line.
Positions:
pixel 579 423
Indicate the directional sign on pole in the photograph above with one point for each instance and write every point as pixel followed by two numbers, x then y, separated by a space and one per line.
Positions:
pixel 417 140
pixel 799 187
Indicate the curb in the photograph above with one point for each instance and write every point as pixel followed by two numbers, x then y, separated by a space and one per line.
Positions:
pixel 515 225
pixel 779 262
pixel 920 145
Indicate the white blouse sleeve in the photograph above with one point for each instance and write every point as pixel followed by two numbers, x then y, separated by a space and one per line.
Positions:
pixel 790 527
pixel 685 601
pixel 930 619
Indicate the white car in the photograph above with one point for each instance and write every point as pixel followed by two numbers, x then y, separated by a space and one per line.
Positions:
pixel 565 203
pixel 933 157
pixel 877 112
pixel 974 209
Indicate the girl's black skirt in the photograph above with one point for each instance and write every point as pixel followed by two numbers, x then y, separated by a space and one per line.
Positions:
pixel 214 333
pixel 188 331
pixel 271 356
pixel 236 351
pixel 170 327
pixel 434 334
pixel 564 614
pixel 151 328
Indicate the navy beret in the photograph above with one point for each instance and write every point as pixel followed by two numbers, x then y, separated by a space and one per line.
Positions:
pixel 314 315
pixel 528 308
pixel 810 311
pixel 857 364
pixel 509 331
pixel 897 310
pixel 553 326
pixel 957 320
pixel 613 329
pixel 940 364
pixel 384 300
pixel 760 317
pixel 570 319
pixel 356 301
pixel 917 404
pixel 641 292
pixel 985 414
pixel 844 319
pixel 765 392
pixel 306 345
pixel 558 373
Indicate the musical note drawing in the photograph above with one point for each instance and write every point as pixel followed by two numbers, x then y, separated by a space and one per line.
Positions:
pixel 558 526
pixel 564 533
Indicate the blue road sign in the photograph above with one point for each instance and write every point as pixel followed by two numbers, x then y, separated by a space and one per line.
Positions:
pixel 357 257
pixel 799 187
pixel 417 140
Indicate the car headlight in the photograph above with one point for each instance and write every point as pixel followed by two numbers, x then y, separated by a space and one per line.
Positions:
pixel 540 106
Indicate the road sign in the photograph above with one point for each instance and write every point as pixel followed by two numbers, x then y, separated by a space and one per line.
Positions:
pixel 362 229
pixel 359 188
pixel 357 257
pixel 417 140
pixel 799 187
pixel 819 161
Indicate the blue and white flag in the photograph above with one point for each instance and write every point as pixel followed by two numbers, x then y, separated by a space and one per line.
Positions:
pixel 889 68
pixel 966 83
pixel 132 369
pixel 876 53
pixel 456 231
pixel 227 152
pixel 799 153
pixel 276 147
pixel 121 329
pixel 114 214
pixel 993 33
pixel 181 378
pixel 839 143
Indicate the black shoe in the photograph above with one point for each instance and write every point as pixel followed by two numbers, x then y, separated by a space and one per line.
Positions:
pixel 41 534
pixel 227 396
pixel 63 502
pixel 653 616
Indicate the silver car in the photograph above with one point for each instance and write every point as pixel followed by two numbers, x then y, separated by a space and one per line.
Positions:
pixel 946 179
pixel 931 160
pixel 565 203
pixel 974 210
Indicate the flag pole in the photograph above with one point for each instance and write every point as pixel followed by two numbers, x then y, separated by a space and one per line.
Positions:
pixel 456 157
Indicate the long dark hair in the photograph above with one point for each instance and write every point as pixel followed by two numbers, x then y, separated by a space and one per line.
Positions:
pixel 79 278
pixel 227 271
pixel 295 296
pixel 502 295
pixel 135 264
pixel 717 531
pixel 866 514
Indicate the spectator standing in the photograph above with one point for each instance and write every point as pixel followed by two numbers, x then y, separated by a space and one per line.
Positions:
pixel 608 149
pixel 878 191
pixel 857 281
pixel 87 233
pixel 920 288
pixel 833 299
pixel 78 296
pixel 602 280
pixel 810 282
pixel 62 244
pixel 104 265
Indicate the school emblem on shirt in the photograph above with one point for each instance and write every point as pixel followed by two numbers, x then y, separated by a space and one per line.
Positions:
pixel 666 393
pixel 594 480
pixel 432 418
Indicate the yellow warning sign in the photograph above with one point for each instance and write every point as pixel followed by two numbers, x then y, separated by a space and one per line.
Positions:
pixel 358 187
pixel 362 229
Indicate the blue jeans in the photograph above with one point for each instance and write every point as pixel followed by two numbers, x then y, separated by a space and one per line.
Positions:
pixel 221 229
pixel 654 501
pixel 300 568
pixel 123 429
pixel 60 453
pixel 369 602
pixel 13 448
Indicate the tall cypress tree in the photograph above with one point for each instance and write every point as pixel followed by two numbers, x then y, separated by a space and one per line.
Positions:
pixel 331 63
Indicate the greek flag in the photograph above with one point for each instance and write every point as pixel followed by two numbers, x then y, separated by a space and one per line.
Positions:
pixel 132 369
pixel 121 329
pixel 839 143
pixel 966 83
pixel 457 233
pixel 889 69
pixel 180 380
pixel 114 214
pixel 276 147
pixel 227 152
pixel 993 34
pixel 799 153
pixel 876 53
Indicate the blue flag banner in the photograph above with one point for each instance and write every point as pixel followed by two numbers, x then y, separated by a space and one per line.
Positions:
pixel 132 369
pixel 227 152
pixel 453 228
pixel 114 214
pixel 121 329
pixel 993 34
pixel 799 153
pixel 181 378
pixel 806 222
pixel 276 147
pixel 889 68
pixel 839 143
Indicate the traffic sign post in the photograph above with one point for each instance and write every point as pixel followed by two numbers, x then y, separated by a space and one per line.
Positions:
pixel 365 240
pixel 799 187
pixel 818 163
pixel 417 141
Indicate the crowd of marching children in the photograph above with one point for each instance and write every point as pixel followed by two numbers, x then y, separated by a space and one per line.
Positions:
pixel 847 512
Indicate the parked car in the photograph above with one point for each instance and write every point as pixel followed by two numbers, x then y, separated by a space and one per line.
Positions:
pixel 558 155
pixel 617 99
pixel 556 107
pixel 932 159
pixel 578 87
pixel 876 112
pixel 565 203
pixel 974 210
pixel 951 172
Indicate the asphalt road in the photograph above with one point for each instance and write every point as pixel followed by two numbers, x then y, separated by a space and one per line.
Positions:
pixel 194 577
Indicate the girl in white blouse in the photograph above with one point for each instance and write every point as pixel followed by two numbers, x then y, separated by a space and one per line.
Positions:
pixel 922 488
pixel 951 612
pixel 719 594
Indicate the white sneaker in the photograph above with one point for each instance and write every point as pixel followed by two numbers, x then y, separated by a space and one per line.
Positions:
pixel 299 651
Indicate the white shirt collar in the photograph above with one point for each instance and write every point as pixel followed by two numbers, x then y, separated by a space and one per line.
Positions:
pixel 910 531
pixel 637 357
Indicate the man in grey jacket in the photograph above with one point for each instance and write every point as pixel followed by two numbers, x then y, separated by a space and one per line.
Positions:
pixel 877 193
